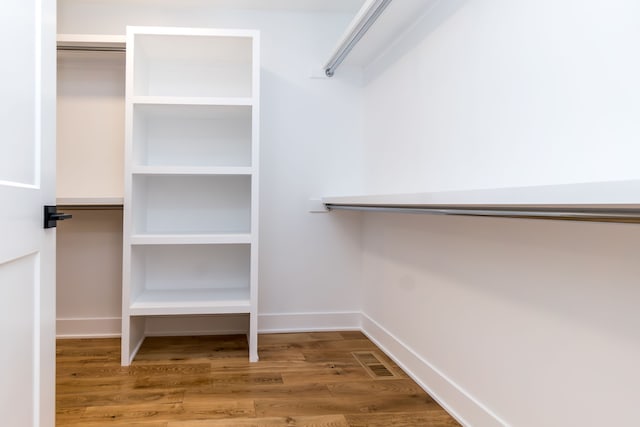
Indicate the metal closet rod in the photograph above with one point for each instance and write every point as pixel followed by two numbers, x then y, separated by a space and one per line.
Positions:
pixel 355 35
pixel 574 214
pixel 93 48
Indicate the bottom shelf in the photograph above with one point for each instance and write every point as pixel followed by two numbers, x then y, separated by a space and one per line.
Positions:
pixel 191 301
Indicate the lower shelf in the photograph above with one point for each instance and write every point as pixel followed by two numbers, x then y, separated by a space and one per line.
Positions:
pixel 192 301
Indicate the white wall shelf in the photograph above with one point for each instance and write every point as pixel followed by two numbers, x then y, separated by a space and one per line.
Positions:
pixel 191 239
pixel 177 204
pixel 608 201
pixel 193 100
pixel 210 136
pixel 192 302
pixel 191 170
pixel 191 177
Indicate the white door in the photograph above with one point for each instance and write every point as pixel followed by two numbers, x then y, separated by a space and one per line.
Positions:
pixel 27 182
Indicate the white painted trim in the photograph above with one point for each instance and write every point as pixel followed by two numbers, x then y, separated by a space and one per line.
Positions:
pixel 94 327
pixel 309 322
pixel 109 327
pixel 452 397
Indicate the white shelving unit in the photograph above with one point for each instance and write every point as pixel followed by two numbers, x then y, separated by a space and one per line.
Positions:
pixel 191 177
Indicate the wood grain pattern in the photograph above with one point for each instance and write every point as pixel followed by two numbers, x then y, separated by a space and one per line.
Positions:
pixel 303 379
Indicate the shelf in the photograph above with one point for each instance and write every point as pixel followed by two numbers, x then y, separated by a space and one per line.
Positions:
pixel 188 278
pixel 190 239
pixel 91 41
pixel 191 204
pixel 191 302
pixel 188 170
pixel 192 135
pixel 193 62
pixel 89 201
pixel 613 201
pixel 192 100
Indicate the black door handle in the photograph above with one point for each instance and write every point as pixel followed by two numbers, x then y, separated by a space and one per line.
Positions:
pixel 51 215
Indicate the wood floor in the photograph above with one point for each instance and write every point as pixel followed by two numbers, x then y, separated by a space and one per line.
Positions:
pixel 310 379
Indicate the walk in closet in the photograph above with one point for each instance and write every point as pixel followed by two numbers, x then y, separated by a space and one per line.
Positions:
pixel 502 110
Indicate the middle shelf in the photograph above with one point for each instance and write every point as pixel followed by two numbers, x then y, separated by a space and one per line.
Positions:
pixel 192 135
pixel 191 204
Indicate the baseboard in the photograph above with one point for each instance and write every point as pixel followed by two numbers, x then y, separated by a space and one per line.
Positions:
pixel 308 322
pixel 212 325
pixel 88 327
pixel 453 398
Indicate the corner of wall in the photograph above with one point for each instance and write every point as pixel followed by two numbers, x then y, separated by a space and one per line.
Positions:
pixel 453 398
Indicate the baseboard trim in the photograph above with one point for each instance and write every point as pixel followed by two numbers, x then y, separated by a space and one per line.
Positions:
pixel 453 398
pixel 88 327
pixel 272 323
pixel 268 323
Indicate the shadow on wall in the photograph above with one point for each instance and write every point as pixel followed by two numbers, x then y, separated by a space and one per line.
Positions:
pixel 431 19
pixel 584 272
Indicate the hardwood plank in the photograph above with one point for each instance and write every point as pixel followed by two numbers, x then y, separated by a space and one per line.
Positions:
pixel 101 397
pixel 218 409
pixel 343 405
pixel 308 421
pixel 251 391
pixel 130 414
pixel 173 381
pixel 342 344
pixel 181 348
pixel 251 378
pixel 403 387
pixel 305 337
pixel 436 418
pixel 353 335
pixel 333 373
pixel 102 423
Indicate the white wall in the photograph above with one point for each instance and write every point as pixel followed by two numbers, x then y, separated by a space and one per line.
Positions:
pixel 310 145
pixel 495 93
pixel 535 321
pixel 89 273
pixel 518 322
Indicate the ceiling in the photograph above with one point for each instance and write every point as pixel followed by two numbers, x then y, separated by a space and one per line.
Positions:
pixel 346 6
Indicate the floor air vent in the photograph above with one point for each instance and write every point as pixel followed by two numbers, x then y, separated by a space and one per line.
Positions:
pixel 374 366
